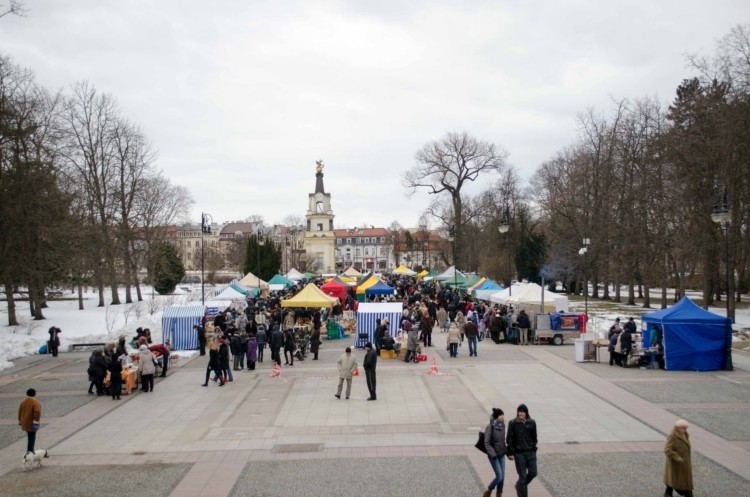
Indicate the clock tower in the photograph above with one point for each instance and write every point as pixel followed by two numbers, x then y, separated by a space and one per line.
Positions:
pixel 320 240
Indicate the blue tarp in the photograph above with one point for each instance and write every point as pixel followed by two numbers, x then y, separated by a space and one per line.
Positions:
pixel 694 339
pixel 488 285
pixel 177 325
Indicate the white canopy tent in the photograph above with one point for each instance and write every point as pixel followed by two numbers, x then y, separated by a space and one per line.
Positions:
pixel 252 281
pixel 502 296
pixel 228 293
pixel 294 275
pixel 532 295
pixel 449 274
pixel 352 272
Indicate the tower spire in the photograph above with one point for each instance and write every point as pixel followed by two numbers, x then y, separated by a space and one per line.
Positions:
pixel 319 177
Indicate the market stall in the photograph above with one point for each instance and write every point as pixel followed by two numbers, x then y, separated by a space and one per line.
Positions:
pixel 369 313
pixel 694 338
pixel 336 289
pixel 177 325
pixel 279 282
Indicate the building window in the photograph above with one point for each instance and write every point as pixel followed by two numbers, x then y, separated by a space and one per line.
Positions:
pixel 188 243
pixel 382 239
pixel 367 251
pixel 320 226
pixel 359 252
pixel 189 255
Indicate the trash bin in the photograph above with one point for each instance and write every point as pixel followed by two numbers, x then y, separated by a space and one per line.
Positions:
pixel 581 347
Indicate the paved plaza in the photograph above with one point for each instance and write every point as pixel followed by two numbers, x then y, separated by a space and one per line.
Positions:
pixel 601 428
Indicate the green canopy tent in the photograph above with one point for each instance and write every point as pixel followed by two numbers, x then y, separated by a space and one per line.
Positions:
pixel 278 282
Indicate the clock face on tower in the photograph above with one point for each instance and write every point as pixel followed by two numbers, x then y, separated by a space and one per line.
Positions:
pixel 318 197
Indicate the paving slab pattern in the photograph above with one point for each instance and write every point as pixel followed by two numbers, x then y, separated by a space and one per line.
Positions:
pixel 689 392
pixel 729 424
pixel 52 406
pixel 630 474
pixel 9 434
pixel 384 477
pixel 148 480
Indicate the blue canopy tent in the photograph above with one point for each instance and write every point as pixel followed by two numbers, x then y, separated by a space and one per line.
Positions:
pixel 694 339
pixel 379 288
pixel 177 325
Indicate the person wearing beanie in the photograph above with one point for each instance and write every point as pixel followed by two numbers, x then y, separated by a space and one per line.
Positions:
pixel 371 360
pixel 521 445
pixel 29 416
pixel 412 340
pixel 494 441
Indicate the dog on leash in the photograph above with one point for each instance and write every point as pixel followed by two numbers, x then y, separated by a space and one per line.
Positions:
pixel 33 460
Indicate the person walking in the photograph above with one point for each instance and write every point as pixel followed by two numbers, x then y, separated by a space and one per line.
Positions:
pixel 260 337
pixel 678 467
pixel 442 317
pixel 235 346
pixel 201 332
pixel 289 346
pixel 454 338
pixel 147 368
pixel 99 368
pixel 224 368
pixel 315 343
pixel 54 340
pixel 471 332
pixel 369 364
pixel 275 344
pixel 494 442
pixel 412 340
pixel 29 417
pixel 346 364
pixel 213 365
pixel 252 352
pixel 524 324
pixel 426 324
pixel 521 445
pixel 115 378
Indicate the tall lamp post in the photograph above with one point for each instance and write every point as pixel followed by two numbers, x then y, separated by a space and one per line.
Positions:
pixel 206 221
pixel 723 217
pixel 584 251
pixel 452 238
pixel 257 251
pixel 505 228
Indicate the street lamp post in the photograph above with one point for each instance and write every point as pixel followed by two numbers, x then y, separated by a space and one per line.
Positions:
pixel 505 228
pixel 206 221
pixel 723 217
pixel 584 251
pixel 257 251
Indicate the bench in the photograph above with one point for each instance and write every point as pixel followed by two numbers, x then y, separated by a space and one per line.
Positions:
pixel 86 345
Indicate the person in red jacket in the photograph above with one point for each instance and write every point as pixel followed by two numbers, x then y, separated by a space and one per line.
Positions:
pixel 160 350
pixel 29 416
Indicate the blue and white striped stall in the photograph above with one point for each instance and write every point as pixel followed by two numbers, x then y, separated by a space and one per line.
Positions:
pixel 177 325
pixel 368 313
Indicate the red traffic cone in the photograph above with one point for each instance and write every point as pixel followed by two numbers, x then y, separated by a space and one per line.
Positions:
pixel 434 368
pixel 276 370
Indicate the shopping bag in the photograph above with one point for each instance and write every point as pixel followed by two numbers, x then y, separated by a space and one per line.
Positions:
pixel 355 372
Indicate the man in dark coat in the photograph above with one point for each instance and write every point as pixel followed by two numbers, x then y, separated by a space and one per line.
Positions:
pixel 201 331
pixel 370 362
pixel 524 324
pixel 521 445
pixel 260 337
pixel 275 343
pixel 426 328
pixel 315 343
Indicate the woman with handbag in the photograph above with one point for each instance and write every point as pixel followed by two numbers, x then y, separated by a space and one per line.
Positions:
pixel 494 442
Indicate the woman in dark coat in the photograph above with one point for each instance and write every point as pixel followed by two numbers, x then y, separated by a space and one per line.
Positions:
pixel 213 364
pixel 678 468
pixel 115 378
pixel 252 352
pixel 315 343
pixel 494 442
pixel 99 370
pixel 289 347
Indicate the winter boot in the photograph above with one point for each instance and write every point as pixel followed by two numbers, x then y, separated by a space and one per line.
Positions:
pixel 487 493
pixel 498 493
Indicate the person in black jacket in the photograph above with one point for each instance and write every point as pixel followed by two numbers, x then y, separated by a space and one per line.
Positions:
pixel 370 362
pixel 260 337
pixel 494 442
pixel 524 324
pixel 521 445
pixel 235 347
pixel 275 343
pixel 201 331
pixel 213 365
pixel 115 378
pixel 626 344
pixel 224 368
pixel 289 346
pixel 54 341
pixel 99 367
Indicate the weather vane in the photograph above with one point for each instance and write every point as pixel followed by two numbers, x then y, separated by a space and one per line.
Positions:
pixel 319 166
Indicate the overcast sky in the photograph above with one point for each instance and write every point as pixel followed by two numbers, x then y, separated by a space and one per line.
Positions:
pixel 240 98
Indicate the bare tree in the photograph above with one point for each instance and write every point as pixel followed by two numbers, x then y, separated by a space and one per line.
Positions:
pixel 14 7
pixel 446 167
